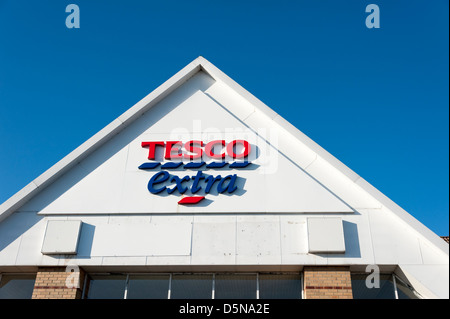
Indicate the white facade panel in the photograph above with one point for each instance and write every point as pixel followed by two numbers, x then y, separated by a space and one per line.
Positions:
pixel 142 239
pixel 340 185
pixel 392 241
pixel 214 240
pixel 61 237
pixel 15 233
pixel 294 235
pixel 326 235
pixel 258 240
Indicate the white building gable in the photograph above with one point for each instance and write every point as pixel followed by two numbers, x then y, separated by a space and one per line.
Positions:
pixel 294 203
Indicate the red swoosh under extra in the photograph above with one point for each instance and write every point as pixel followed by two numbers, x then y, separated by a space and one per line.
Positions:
pixel 191 200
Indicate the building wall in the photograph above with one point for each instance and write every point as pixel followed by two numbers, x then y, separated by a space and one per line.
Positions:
pixel 263 226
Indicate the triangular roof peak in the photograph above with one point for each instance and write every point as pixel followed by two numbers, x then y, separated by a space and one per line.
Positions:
pixel 201 64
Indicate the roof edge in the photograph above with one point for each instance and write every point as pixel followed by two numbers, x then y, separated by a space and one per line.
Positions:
pixel 116 126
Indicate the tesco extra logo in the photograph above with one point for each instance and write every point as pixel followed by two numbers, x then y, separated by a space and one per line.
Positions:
pixel 191 156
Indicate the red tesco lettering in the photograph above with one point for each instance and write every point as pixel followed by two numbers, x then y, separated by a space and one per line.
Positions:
pixel 196 149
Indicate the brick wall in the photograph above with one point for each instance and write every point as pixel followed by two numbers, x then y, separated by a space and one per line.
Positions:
pixel 57 283
pixel 327 283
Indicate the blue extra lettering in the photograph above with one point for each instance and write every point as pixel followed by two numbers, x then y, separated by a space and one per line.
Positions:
pixel 225 184
pixel 210 180
pixel 182 189
pixel 195 188
pixel 231 185
pixel 156 180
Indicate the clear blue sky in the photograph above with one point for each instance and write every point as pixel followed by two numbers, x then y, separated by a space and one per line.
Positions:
pixel 377 99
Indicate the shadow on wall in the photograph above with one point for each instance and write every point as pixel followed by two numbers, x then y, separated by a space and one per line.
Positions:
pixel 351 238
pixel 85 242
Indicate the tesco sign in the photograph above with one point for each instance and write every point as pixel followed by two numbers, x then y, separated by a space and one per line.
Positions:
pixel 179 152
pixel 196 149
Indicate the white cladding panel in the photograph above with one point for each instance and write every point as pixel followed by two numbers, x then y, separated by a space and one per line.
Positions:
pixel 326 235
pixel 146 239
pixel 61 237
